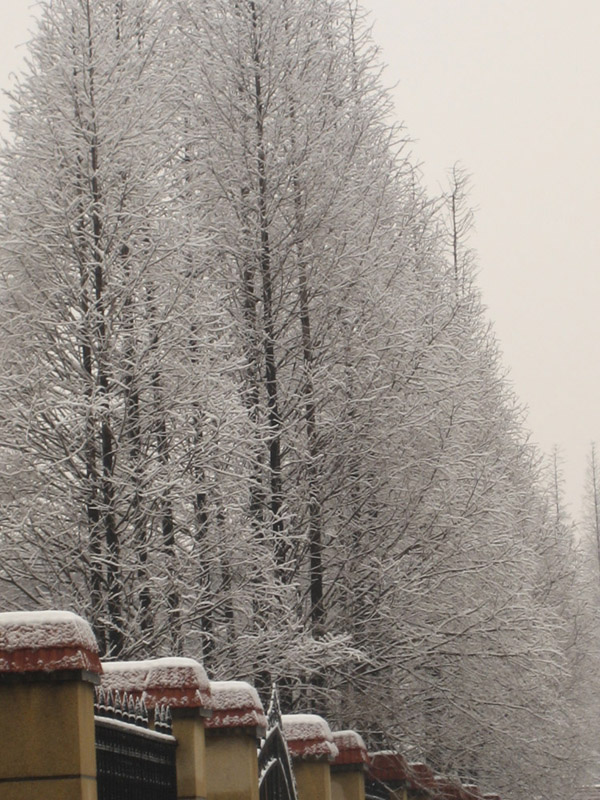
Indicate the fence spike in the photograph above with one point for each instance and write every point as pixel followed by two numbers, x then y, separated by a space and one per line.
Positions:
pixel 118 706
pixel 109 701
pixel 131 710
pixel 274 709
pixel 168 720
pixel 158 718
pixel 139 714
pixel 101 702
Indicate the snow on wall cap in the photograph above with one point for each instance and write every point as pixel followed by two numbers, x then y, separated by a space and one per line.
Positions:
pixel 177 683
pixel 46 641
pixel 351 747
pixel 235 704
pixel 125 676
pixel 308 736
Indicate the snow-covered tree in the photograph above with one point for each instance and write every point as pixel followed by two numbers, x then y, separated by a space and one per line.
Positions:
pixel 250 406
pixel 101 381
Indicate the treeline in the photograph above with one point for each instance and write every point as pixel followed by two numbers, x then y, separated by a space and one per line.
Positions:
pixel 250 406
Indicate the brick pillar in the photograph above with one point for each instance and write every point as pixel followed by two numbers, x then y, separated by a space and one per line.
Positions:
pixel 183 686
pixel 48 667
pixel 311 747
pixel 232 734
pixel 348 768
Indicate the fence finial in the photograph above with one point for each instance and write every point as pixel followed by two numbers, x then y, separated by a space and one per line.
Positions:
pixel 274 709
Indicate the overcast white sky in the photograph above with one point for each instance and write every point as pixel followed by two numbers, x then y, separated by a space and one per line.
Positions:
pixel 511 89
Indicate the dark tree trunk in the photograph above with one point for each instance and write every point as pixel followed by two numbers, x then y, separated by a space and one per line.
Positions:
pixel 107 443
pixel 264 260
pixel 167 520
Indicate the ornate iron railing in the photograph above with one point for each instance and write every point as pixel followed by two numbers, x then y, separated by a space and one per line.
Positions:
pixel 133 762
pixel 276 776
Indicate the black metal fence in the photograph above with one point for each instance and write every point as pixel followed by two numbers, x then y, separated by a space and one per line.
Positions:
pixel 276 776
pixel 133 762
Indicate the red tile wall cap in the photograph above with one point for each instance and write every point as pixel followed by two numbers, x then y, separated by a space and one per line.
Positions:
pixel 308 736
pixel 448 789
pixel 422 776
pixel 235 704
pixel 177 683
pixel 387 766
pixel 46 641
pixel 352 749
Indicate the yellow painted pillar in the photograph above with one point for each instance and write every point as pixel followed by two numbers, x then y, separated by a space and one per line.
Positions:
pixel 347 783
pixel 183 686
pixel 313 779
pixel 311 746
pixel 48 667
pixel 232 735
pixel 348 767
pixel 188 729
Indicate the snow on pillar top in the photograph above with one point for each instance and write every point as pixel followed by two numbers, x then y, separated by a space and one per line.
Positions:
pixel 125 677
pixel 236 704
pixel 308 736
pixel 177 683
pixel 351 747
pixel 173 682
pixel 46 641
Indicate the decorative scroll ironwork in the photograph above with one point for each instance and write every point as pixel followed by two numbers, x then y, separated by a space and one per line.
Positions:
pixel 133 763
pixel 276 781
